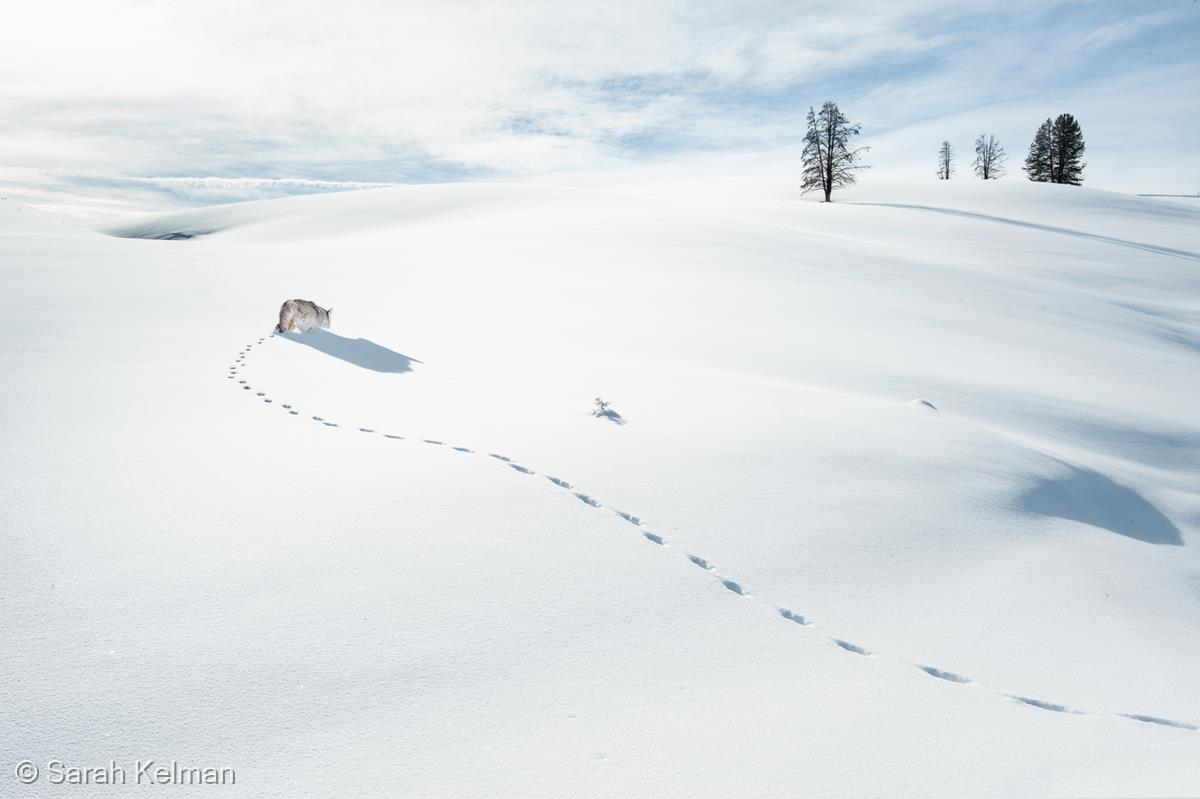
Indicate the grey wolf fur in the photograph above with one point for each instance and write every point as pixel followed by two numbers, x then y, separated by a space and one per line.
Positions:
pixel 302 315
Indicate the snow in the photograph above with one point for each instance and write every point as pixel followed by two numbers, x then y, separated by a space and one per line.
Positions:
pixel 905 500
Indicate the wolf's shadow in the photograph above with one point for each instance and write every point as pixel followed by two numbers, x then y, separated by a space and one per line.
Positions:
pixel 358 351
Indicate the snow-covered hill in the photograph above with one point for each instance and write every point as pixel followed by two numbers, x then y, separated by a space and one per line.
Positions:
pixel 903 497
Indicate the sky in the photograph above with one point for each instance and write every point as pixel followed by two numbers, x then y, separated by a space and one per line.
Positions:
pixel 113 107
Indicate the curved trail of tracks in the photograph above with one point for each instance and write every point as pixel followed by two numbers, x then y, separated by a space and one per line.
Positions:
pixel 733 586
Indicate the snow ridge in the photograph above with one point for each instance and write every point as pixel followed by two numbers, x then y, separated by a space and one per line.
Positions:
pixel 730 584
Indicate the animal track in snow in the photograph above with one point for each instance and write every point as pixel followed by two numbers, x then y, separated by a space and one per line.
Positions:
pixel 1165 722
pixel 734 587
pixel 796 617
pixel 729 584
pixel 1043 705
pixel 849 647
pixel 943 675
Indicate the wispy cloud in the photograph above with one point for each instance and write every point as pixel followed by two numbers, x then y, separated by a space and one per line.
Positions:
pixel 258 93
pixel 209 186
pixel 104 194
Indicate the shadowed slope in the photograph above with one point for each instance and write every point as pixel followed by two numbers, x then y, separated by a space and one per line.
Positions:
pixel 1086 496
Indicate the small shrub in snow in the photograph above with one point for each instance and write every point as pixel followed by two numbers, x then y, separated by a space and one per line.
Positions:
pixel 603 410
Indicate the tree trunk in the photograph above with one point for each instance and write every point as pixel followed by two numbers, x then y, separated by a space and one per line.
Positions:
pixel 830 143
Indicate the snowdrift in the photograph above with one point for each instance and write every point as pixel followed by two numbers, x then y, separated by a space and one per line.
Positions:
pixel 906 500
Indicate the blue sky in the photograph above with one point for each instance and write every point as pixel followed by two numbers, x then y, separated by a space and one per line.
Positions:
pixel 107 109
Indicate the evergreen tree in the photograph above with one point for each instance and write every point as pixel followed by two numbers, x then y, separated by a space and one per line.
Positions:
pixel 1067 146
pixel 989 157
pixel 945 161
pixel 1056 154
pixel 829 161
pixel 1039 162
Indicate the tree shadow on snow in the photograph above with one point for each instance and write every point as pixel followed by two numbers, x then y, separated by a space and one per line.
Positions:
pixel 1136 245
pixel 358 351
pixel 1091 498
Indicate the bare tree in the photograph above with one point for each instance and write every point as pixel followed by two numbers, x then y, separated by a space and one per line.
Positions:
pixel 989 157
pixel 945 161
pixel 829 161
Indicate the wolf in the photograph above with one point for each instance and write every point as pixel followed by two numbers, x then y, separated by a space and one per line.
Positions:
pixel 302 315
